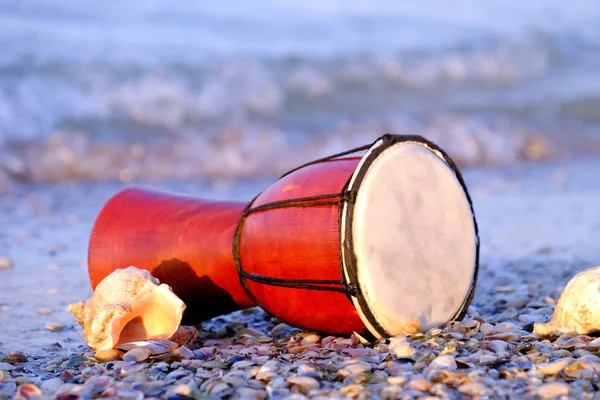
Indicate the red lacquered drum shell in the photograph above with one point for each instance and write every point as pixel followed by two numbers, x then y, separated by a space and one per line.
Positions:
pixel 386 242
pixel 299 242
pixel 183 241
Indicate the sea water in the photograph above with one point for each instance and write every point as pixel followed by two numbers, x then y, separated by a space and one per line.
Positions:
pixel 154 89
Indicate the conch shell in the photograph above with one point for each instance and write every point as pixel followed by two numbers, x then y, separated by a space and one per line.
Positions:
pixel 127 306
pixel 577 310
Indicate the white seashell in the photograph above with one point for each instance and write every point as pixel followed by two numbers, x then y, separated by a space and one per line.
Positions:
pixel 576 311
pixel 128 305
pixel 155 346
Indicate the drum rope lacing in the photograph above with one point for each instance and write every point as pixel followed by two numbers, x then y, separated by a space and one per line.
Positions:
pixel 348 263
pixel 332 199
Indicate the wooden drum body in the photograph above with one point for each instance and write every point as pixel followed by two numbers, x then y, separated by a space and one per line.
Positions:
pixel 183 241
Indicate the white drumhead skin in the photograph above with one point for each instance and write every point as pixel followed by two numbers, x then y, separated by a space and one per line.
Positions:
pixel 414 239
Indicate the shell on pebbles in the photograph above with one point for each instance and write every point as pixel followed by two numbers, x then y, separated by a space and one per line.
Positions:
pixel 143 349
pixel 576 310
pixel 128 305
pixel 184 335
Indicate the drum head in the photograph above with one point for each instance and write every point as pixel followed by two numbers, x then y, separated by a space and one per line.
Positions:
pixel 409 239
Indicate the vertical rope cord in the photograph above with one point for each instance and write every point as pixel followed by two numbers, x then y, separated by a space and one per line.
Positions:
pixel 310 201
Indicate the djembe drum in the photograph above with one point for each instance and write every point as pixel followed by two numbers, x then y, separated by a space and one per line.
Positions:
pixel 342 244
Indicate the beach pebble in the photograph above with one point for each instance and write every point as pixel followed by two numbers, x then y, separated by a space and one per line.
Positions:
pixel 51 386
pixel 129 394
pixel 214 364
pixel 12 358
pixel 183 390
pixel 474 389
pixel 419 384
pixel 267 371
pixel 299 349
pixel 184 335
pixel 486 328
pixel 310 339
pixel 44 311
pixel 553 390
pixel 4 366
pixel 353 390
pixel 75 361
pixel 497 346
pixel 304 382
pixel 531 318
pixel 137 354
pixel 107 355
pixel 28 391
pixel 54 327
pixel 5 263
pixel 446 362
pixel 555 367
pixel 249 393
pixel 354 368
pixel 402 349
pixel 186 353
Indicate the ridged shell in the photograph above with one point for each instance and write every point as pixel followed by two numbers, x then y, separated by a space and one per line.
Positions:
pixel 128 305
pixel 577 309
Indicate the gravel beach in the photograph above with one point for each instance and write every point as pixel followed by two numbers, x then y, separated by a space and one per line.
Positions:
pixel 538 223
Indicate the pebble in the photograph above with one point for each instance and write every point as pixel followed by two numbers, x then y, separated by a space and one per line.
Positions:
pixel 137 354
pixel 402 349
pixel 44 311
pixel 497 346
pixel 214 364
pixel 553 390
pixel 310 339
pixel 186 353
pixel 5 263
pixel 75 361
pixel 51 386
pixel 305 382
pixel 107 355
pixel 446 362
pixel 28 391
pixel 54 327
pixel 12 358
pixel 474 389
pixel 486 328
pixel 531 318
pixel 421 385
pixel 555 367
pixel 4 366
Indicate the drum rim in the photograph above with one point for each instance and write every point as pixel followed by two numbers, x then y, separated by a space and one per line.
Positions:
pixel 348 259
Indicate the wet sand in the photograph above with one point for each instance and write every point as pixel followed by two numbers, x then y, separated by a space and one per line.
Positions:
pixel 539 224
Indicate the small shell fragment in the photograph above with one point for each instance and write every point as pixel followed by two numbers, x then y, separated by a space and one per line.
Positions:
pixel 184 335
pixel 156 346
pixel 137 354
pixel 170 356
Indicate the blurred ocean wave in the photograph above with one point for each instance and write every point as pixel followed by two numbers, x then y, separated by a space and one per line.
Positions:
pixel 152 90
